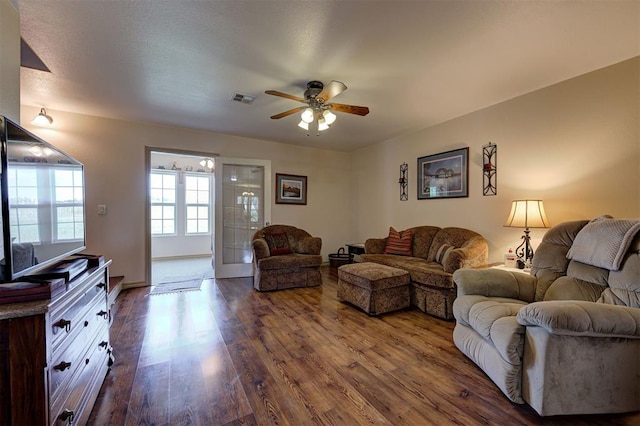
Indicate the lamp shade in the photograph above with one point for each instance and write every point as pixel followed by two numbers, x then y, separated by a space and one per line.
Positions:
pixel 322 124
pixel 527 214
pixel 329 117
pixel 307 115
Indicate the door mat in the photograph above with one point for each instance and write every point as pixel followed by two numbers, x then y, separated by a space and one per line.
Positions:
pixel 184 284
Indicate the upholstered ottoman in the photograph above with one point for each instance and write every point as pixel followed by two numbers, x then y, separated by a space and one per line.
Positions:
pixel 373 287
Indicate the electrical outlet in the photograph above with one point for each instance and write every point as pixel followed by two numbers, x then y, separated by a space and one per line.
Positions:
pixel 102 209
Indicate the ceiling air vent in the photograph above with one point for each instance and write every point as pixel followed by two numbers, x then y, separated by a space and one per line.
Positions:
pixel 245 99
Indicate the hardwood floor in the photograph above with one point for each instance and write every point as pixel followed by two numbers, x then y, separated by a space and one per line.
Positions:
pixel 228 354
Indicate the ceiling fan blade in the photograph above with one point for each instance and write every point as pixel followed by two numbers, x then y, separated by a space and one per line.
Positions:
pixel 351 109
pixel 286 113
pixel 330 90
pixel 284 95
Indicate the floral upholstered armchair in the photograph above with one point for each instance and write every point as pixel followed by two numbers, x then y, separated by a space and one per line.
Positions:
pixel 285 257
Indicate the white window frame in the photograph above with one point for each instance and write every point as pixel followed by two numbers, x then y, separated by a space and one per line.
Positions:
pixel 17 206
pixel 77 187
pixel 164 204
pixel 198 205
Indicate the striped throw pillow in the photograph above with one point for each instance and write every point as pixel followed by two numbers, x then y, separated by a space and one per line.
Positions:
pixel 443 253
pixel 399 242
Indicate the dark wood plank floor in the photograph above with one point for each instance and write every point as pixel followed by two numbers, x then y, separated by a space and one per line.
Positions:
pixel 230 355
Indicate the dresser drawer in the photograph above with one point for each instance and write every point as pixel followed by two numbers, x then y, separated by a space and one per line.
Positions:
pixel 74 401
pixel 68 356
pixel 68 317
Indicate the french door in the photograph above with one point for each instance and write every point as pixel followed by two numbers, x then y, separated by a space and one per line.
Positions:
pixel 243 206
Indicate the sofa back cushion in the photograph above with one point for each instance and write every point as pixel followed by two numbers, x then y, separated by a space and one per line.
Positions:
pixel 550 260
pixel 624 285
pixel 422 240
pixel 456 237
pixel 294 235
pixel 278 243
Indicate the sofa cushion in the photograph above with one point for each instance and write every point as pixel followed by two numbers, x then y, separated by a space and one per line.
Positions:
pixel 431 274
pixel 588 273
pixel 624 285
pixel 290 261
pixel 483 314
pixel 423 239
pixel 494 319
pixel 399 242
pixel 569 288
pixel 278 243
pixel 422 272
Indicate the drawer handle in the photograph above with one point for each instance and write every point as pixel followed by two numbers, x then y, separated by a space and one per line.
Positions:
pixel 67 416
pixel 86 323
pixel 103 344
pixel 103 314
pixel 62 366
pixel 101 286
pixel 63 323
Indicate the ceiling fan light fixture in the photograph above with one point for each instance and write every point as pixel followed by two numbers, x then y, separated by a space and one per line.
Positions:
pixel 307 115
pixel 304 125
pixel 322 124
pixel 329 117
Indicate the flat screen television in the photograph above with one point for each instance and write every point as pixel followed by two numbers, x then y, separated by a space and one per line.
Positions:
pixel 42 192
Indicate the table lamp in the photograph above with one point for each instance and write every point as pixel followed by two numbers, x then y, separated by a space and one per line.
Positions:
pixel 526 214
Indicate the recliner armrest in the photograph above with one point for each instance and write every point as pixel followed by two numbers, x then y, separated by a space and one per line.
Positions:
pixel 495 283
pixel 260 249
pixel 580 318
pixel 310 245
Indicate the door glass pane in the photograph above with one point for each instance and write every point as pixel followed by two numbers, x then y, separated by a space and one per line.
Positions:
pixel 243 206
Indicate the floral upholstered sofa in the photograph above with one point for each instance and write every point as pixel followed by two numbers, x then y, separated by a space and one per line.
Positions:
pixel 431 255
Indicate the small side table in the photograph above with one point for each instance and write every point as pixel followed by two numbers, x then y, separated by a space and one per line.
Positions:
pixel 507 268
pixel 355 248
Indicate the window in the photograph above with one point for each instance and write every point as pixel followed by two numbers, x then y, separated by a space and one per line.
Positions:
pixel 68 205
pixel 163 203
pixel 197 203
pixel 23 197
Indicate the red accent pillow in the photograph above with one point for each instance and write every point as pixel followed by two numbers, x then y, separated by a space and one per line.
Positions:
pixel 399 242
pixel 278 243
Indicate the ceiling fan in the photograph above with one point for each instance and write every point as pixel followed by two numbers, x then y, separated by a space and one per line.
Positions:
pixel 317 108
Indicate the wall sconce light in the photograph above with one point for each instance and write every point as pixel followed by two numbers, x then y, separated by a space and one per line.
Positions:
pixel 403 182
pixel 489 169
pixel 527 214
pixel 42 119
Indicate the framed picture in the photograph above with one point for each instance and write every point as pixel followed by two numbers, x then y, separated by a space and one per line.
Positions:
pixel 444 175
pixel 291 189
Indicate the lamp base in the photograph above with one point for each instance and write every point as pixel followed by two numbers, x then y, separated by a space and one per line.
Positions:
pixel 524 251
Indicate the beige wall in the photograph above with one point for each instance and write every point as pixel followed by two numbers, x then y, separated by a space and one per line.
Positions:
pixel 575 145
pixel 113 153
pixel 9 61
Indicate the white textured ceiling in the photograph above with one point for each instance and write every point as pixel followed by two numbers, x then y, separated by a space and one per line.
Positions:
pixel 413 63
